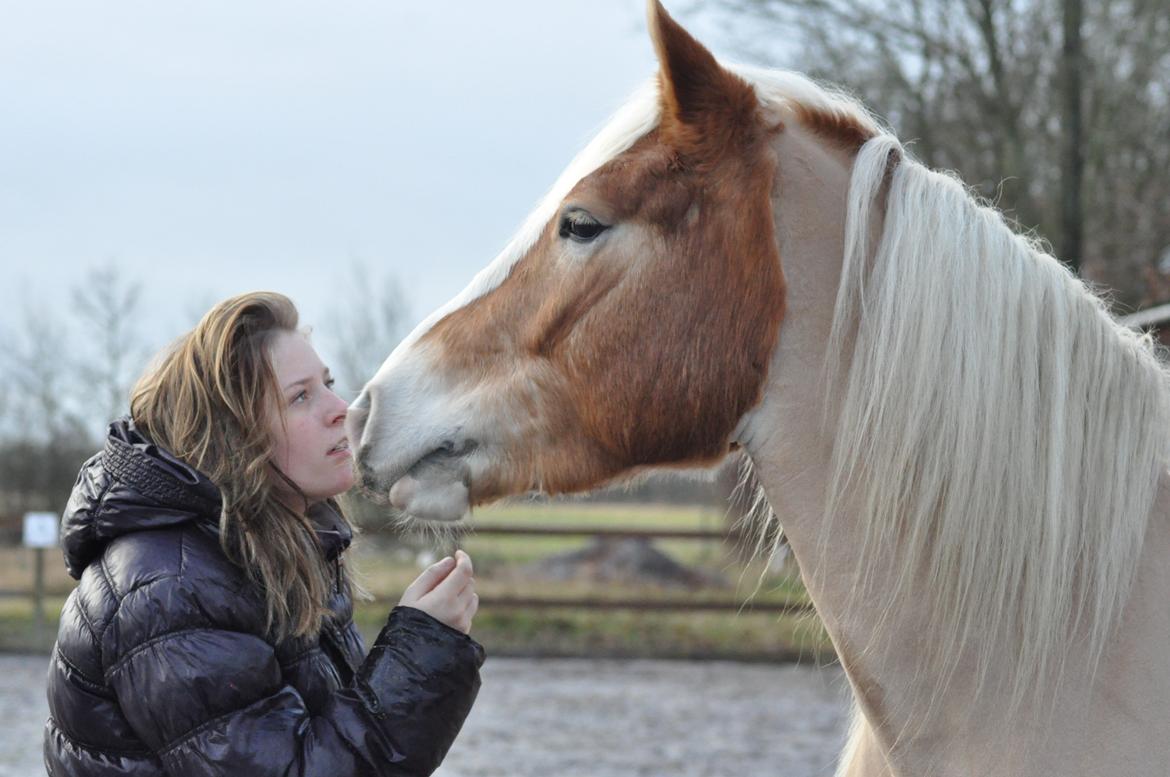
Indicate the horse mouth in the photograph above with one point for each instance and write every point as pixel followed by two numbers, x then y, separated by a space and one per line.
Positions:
pixel 436 488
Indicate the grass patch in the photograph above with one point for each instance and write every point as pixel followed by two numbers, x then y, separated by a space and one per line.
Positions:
pixel 17 566
pixel 386 564
pixel 629 634
pixel 18 632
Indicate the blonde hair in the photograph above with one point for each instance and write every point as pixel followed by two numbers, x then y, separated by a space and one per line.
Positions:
pixel 208 401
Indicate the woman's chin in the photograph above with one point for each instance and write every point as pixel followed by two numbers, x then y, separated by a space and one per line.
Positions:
pixel 337 487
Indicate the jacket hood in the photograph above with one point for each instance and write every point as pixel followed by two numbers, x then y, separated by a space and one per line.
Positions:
pixel 134 485
pixel 131 485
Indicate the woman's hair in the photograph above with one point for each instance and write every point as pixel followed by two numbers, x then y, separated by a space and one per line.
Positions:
pixel 208 401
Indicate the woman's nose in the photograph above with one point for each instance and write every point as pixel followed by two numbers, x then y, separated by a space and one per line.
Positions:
pixel 337 409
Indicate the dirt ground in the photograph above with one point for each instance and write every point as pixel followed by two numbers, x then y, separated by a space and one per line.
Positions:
pixel 582 718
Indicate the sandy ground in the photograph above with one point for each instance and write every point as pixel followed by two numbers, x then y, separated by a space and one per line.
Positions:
pixel 582 718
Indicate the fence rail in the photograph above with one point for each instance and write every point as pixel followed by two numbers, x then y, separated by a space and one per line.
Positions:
pixel 597 531
pixel 639 604
pixel 593 603
pixel 663 605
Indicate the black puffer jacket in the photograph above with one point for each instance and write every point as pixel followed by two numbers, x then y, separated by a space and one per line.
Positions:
pixel 162 665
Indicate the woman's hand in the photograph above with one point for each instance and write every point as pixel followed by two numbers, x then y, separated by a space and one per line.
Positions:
pixel 446 591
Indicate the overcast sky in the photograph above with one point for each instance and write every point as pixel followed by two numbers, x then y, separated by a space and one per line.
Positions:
pixel 215 147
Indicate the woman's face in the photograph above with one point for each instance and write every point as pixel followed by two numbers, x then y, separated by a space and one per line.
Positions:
pixel 310 443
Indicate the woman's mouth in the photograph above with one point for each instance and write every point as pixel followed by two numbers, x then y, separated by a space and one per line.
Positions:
pixel 340 449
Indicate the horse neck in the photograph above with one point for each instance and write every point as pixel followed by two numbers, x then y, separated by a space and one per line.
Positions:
pixel 784 436
pixel 792 454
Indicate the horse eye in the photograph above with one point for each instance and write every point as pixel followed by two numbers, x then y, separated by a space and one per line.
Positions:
pixel 578 225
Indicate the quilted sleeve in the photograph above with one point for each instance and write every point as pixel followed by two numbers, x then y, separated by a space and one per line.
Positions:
pixel 210 700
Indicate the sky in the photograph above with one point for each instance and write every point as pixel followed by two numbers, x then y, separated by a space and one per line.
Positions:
pixel 211 148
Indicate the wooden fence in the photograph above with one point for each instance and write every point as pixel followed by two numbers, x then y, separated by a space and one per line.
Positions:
pixel 675 604
pixel 643 603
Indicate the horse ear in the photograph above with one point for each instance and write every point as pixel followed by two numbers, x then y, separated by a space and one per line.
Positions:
pixel 695 89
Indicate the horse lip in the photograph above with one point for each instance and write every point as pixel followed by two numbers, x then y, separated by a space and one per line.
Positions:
pixel 447 451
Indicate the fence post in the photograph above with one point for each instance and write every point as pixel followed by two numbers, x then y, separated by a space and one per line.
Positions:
pixel 40 532
pixel 38 597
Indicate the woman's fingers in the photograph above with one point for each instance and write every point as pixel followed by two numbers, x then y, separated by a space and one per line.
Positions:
pixel 453 583
pixel 446 592
pixel 468 602
pixel 461 558
pixel 462 622
pixel 466 591
pixel 430 577
pixel 460 598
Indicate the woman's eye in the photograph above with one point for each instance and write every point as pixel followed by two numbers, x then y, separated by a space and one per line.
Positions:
pixel 578 225
pixel 300 397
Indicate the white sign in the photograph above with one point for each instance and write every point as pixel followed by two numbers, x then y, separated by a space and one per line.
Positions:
pixel 40 530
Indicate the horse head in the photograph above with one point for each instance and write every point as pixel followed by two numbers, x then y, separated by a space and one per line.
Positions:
pixel 630 325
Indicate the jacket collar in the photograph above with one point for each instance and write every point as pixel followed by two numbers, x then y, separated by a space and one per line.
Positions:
pixel 333 532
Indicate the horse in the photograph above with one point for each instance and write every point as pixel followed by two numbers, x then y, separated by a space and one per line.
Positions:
pixel 968 453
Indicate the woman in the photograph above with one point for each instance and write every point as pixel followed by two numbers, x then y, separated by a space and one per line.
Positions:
pixel 212 631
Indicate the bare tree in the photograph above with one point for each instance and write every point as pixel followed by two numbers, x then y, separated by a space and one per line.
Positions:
pixel 46 439
pixel 1055 110
pixel 106 305
pixel 39 362
pixel 366 323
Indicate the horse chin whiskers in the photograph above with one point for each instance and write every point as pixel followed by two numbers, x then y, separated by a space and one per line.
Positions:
pixel 373 490
pixel 436 533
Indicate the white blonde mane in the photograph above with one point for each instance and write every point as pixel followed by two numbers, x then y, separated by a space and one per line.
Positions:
pixel 999 433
